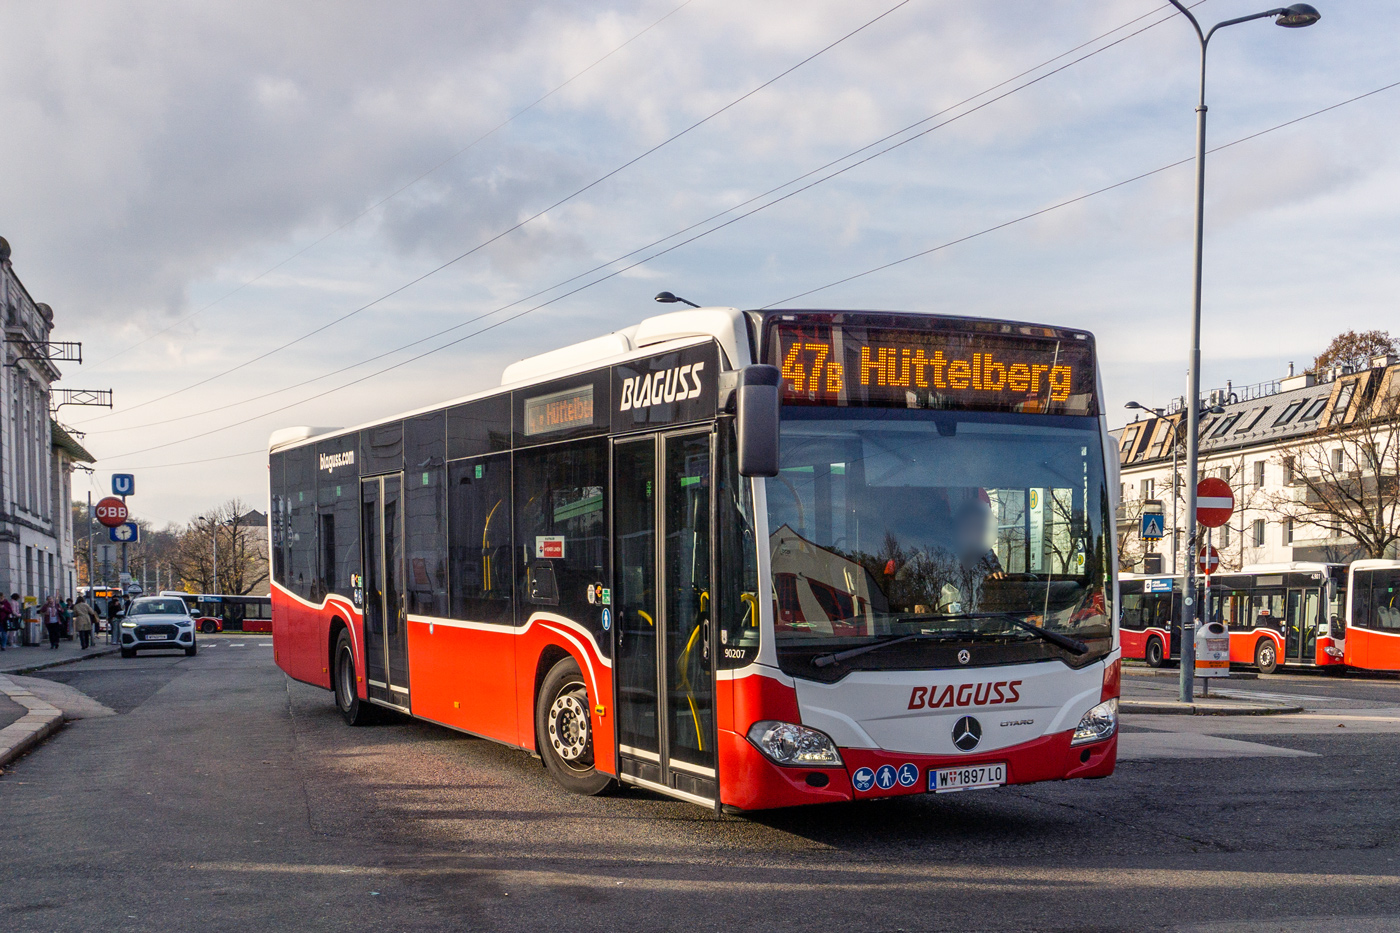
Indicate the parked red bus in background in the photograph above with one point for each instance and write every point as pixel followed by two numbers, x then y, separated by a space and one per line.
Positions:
pixel 1150 617
pixel 1373 615
pixel 744 559
pixel 1289 614
pixel 228 613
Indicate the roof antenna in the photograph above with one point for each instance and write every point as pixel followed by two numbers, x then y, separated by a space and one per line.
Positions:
pixel 666 298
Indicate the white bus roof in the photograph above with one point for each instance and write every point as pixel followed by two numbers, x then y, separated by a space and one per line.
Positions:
pixel 726 326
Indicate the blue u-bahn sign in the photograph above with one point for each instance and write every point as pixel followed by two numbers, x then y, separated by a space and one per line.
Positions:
pixel 123 484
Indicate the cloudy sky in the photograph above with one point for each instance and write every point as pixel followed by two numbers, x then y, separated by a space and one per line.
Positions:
pixel 192 186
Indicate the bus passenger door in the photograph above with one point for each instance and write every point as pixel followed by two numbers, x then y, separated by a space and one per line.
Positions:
pixel 386 626
pixel 1310 619
pixel 663 657
pixel 1293 625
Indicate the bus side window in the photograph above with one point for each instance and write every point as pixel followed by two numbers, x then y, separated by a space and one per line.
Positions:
pixel 479 539
pixel 560 493
pixel 1132 612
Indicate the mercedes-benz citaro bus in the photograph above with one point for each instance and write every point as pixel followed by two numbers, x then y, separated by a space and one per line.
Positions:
pixel 745 559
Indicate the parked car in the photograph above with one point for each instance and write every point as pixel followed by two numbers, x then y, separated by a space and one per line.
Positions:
pixel 157 622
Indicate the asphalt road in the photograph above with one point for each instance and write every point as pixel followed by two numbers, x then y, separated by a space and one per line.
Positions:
pixel 223 797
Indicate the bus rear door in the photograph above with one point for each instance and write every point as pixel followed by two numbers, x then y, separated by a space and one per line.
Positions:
pixel 662 646
pixel 386 625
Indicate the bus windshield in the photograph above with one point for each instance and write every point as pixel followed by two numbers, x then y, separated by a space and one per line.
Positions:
pixel 943 525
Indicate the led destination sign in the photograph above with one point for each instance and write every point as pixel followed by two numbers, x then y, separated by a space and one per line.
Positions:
pixel 559 411
pixel 842 364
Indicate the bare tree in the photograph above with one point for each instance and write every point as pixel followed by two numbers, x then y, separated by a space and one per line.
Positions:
pixel 1353 351
pixel 1345 479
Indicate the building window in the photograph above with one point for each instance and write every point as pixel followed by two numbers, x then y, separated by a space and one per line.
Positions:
pixel 1225 473
pixel 1338 462
pixel 1288 531
pixel 1259 473
pixel 1288 471
pixel 1343 401
pixel 1224 535
pixel 1258 532
pixel 1146 488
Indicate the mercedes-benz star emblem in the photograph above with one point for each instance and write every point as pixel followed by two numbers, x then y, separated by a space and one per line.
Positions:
pixel 964 656
pixel 967 732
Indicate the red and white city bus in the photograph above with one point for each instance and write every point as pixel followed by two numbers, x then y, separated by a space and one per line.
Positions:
pixel 1149 618
pixel 745 559
pixel 1373 616
pixel 1283 614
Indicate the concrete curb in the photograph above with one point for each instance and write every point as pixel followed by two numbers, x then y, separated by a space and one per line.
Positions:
pixel 1177 708
pixel 42 721
pixel 95 653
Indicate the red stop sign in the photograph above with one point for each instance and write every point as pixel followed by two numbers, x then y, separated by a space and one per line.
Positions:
pixel 111 512
pixel 1208 559
pixel 1215 500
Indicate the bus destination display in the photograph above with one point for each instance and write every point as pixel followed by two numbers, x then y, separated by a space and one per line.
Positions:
pixel 559 411
pixel 845 365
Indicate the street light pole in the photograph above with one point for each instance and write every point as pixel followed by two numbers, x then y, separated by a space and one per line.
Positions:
pixel 1297 15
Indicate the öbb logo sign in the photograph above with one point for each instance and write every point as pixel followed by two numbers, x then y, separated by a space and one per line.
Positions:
pixel 984 694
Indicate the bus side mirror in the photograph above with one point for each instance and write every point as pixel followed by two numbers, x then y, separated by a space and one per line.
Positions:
pixel 757 408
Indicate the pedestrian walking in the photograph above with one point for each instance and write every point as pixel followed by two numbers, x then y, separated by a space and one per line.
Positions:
pixel 65 610
pixel 84 620
pixel 7 620
pixel 53 621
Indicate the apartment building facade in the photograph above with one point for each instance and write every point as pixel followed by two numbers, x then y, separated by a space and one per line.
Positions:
pixel 37 456
pixel 1296 452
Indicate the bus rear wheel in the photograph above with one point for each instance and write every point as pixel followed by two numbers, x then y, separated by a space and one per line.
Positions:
pixel 357 712
pixel 209 626
pixel 564 730
pixel 1154 655
pixel 1266 657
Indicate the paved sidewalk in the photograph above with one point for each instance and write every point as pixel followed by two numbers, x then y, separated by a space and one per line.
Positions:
pixel 41 719
pixel 19 660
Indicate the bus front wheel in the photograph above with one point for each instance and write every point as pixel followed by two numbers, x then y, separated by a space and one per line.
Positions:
pixel 1154 654
pixel 357 712
pixel 1266 657
pixel 564 730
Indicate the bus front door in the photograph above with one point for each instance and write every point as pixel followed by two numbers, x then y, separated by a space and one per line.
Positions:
pixel 386 626
pixel 662 644
pixel 1304 612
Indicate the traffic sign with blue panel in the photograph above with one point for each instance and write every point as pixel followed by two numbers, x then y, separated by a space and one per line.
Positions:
pixel 123 484
pixel 1154 526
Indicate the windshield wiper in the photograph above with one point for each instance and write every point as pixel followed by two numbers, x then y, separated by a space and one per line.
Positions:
pixel 1055 638
pixel 826 660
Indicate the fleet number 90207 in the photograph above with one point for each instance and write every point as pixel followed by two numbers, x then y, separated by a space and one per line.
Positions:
pixel 972 777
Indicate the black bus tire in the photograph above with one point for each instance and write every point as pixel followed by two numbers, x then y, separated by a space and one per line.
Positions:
pixel 209 626
pixel 564 730
pixel 1266 656
pixel 357 712
pixel 1154 655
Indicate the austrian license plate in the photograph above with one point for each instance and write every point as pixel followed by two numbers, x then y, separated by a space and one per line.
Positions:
pixel 972 777
pixel 156 637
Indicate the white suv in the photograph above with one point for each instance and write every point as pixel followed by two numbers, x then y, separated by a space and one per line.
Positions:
pixel 157 622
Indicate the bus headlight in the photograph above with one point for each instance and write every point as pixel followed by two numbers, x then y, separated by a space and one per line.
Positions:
pixel 789 744
pixel 1097 724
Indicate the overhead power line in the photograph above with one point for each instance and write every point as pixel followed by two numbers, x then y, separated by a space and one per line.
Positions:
pixel 1001 226
pixel 714 217
pixel 530 219
pixel 397 191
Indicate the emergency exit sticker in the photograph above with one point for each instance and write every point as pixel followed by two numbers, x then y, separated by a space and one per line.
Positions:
pixel 549 547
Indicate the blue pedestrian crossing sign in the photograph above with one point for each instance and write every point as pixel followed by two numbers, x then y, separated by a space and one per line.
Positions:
pixel 123 484
pixel 1154 526
pixel 125 533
